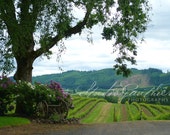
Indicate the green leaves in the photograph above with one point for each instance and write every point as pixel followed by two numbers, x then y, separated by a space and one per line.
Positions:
pixel 6 61
pixel 131 20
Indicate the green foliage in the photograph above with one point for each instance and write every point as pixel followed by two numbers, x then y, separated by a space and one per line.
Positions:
pixel 28 96
pixel 112 99
pixel 163 117
pixel 82 80
pixel 131 20
pixel 55 117
pixel 6 95
pixel 6 61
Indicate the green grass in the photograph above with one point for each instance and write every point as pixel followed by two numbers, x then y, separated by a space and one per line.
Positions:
pixel 12 121
pixel 117 112
pixel 163 117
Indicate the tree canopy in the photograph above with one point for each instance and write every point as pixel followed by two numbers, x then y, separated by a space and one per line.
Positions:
pixel 30 28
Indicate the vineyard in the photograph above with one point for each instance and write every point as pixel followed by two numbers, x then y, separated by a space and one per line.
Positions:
pixel 96 110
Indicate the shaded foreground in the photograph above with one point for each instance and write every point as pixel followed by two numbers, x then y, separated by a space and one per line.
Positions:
pixel 119 128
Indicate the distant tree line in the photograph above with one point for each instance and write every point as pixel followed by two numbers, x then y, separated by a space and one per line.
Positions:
pixel 101 79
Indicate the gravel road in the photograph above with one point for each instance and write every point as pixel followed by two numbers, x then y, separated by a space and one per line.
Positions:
pixel 120 128
pixel 117 128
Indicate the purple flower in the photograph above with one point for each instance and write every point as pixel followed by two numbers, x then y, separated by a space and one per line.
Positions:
pixel 55 85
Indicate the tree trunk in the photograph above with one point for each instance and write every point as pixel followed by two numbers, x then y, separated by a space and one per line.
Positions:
pixel 24 69
pixel 23 73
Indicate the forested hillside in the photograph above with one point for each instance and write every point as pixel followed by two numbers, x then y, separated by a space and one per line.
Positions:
pixel 105 78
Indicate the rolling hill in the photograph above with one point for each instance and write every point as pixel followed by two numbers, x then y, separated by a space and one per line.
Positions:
pixel 105 78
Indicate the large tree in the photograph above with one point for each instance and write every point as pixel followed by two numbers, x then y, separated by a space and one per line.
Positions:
pixel 30 28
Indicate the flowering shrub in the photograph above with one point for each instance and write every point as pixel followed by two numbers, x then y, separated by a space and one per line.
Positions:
pixel 27 96
pixel 58 89
pixel 60 93
pixel 6 95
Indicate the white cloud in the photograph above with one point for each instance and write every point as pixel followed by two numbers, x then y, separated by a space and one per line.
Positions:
pixel 154 53
pixel 81 55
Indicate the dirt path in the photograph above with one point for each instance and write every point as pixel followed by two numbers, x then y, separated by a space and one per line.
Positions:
pixel 103 115
pixel 32 128
pixel 118 128
pixel 146 111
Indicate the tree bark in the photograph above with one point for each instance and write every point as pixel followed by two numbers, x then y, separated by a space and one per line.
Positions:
pixel 24 69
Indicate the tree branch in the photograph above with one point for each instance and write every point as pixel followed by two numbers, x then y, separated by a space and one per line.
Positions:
pixel 7 11
pixel 29 16
pixel 24 15
pixel 70 31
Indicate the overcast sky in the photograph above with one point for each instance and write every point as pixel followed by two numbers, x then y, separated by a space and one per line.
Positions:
pixel 81 55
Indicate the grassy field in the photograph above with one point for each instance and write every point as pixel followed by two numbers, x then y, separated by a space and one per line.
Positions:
pixel 96 110
pixel 12 121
